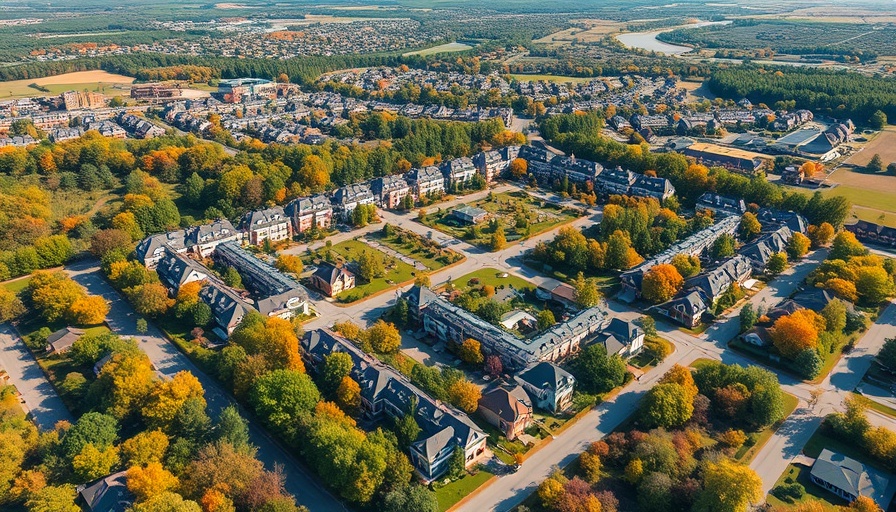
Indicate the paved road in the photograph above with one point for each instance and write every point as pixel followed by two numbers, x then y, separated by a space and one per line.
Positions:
pixel 40 396
pixel 169 361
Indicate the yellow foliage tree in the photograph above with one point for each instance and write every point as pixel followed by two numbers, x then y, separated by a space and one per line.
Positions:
pixel 348 394
pixel 794 333
pixel 145 447
pixel 465 395
pixel 682 376
pixel 93 463
pixel 90 310
pixel 151 480
pixel 470 351
pixel 168 397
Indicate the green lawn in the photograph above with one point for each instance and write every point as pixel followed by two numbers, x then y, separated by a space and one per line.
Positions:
pixel 871 404
pixel 492 277
pixel 411 245
pixel 800 474
pixel 507 208
pixel 17 285
pixel 396 272
pixel 457 490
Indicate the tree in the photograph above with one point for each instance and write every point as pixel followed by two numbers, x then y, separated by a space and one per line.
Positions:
pixel 667 405
pixel 687 265
pixel 498 240
pixel 834 314
pixel 590 465
pixel 10 305
pixel 798 246
pixel 682 376
pixel 410 498
pixel 470 351
pixel 493 366
pixel 598 372
pixel 105 241
pixel 661 283
pixel 281 396
pixel 220 465
pixel 336 366
pixel 151 480
pixel 90 310
pixel 192 421
pixel 150 299
pixel 272 338
pixel 93 463
pixel 369 265
pixel 877 120
pixel 620 255
pixel 406 428
pixel 729 487
pixel 169 397
pixel 887 354
pixel 53 499
pixel 232 428
pixel 723 247
pixel 383 337
pixel 776 263
pixel 53 294
pixel 100 430
pixel 846 245
pixel 749 226
pixel 748 317
pixel 791 334
pixel 808 363
pixel 348 394
pixel 519 168
pixel 546 319
pixel 821 235
pixel 167 502
pixel 232 278
pixel 289 263
pixel 465 395
pixel 654 492
pixel 875 165
pixel 145 447
pixel 585 291
pixel 422 281
pixel 873 284
pixel 864 503
pixel 843 289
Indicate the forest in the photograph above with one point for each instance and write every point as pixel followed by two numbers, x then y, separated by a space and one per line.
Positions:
pixel 840 94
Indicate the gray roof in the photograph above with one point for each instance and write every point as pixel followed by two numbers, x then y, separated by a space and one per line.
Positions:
pixel 850 475
pixel 426 174
pixel 108 494
pixel 263 218
pixel 307 205
pixel 624 330
pixel 174 269
pixel 546 375
pixel 691 303
pixel 64 338
pixel 216 230
pixel 328 272
pixel 716 281
pixel 151 245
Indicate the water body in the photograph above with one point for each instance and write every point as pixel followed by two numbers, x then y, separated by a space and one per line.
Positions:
pixel 648 41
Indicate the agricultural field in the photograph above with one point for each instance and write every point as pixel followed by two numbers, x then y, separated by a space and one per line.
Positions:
pixel 520 216
pixel 884 144
pixel 95 81
pixel 442 48
pixel 585 31
pixel 790 37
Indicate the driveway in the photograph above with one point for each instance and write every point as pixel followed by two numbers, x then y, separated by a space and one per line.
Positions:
pixel 27 376
pixel 168 360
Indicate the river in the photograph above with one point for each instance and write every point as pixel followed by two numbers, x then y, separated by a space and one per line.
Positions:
pixel 648 41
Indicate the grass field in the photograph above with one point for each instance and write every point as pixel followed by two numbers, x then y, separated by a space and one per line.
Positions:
pixel 95 81
pixel 493 277
pixel 883 144
pixel 442 48
pixel 411 246
pixel 589 31
pixel 17 285
pixel 457 490
pixel 396 272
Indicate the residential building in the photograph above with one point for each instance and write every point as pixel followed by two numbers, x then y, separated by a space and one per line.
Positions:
pixel 458 172
pixel 390 191
pixel 492 164
pixel 550 386
pixel 615 181
pixel 507 409
pixel 269 224
pixel 687 309
pixel 426 182
pixel 575 170
pixel 451 323
pixel 307 212
pixel 264 281
pixel 762 249
pixel 871 233
pixel 651 186
pixel 793 175
pixel 347 198
pixel 731 158
pixel 539 162
pixel 700 292
pixel 332 280
pixel 176 270
pixel 721 205
pixel 622 337
pixel 152 249
pixel 242 90
pixel 228 308
pixel 202 240
pixel 108 494
pixel 849 478
pixel 63 339
pixel 386 394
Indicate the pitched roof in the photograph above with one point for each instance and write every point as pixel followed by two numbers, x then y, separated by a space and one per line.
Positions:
pixel 108 494
pixel 849 475
pixel 507 404
pixel 624 330
pixel 545 374
pixel 329 273
pixel 64 338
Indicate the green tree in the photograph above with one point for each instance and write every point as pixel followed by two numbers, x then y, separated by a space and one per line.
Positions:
pixel 232 278
pixel 875 165
pixel 808 363
pixel 336 366
pixel 406 428
pixel 53 499
pixel 546 319
pixel 798 246
pixel 834 314
pixel 598 372
pixel 723 247
pixel 666 405
pixel 97 429
pixel 776 263
pixel 10 305
pixel 688 266
pixel 282 395
pixel 873 284
pixel 748 317
pixel 457 465
pixel 370 266
pixel 749 226
pixel 887 354
pixel 414 498
pixel 585 291
pixel 232 428
pixel 877 120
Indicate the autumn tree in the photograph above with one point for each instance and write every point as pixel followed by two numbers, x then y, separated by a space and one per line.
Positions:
pixel 667 405
pixel 585 291
pixel 687 265
pixel 149 299
pixel 92 462
pixel 465 395
pixel 661 283
pixel 53 293
pixel 493 366
pixel 776 263
pixel 370 265
pixel 348 394
pixel 498 240
pixel 90 310
pixel 470 351
pixel 729 487
pixel 10 305
pixel 53 498
pixel 845 245
pixel 749 226
pixel 145 447
pixel 272 338
pixel 798 246
pixel 682 376
pixel 220 465
pixel 289 263
pixel 519 168
pixel 620 255
pixel 821 235
pixel 167 502
pixel 168 397
pixel 383 337
pixel 791 334
pixel 873 284
pixel 151 480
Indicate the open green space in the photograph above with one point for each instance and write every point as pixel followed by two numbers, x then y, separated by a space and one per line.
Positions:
pixel 17 285
pixel 796 473
pixel 457 490
pixel 442 48
pixel 881 199
pixel 520 215
pixel 395 271
pixel 491 277
pixel 414 246
pixel 875 216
